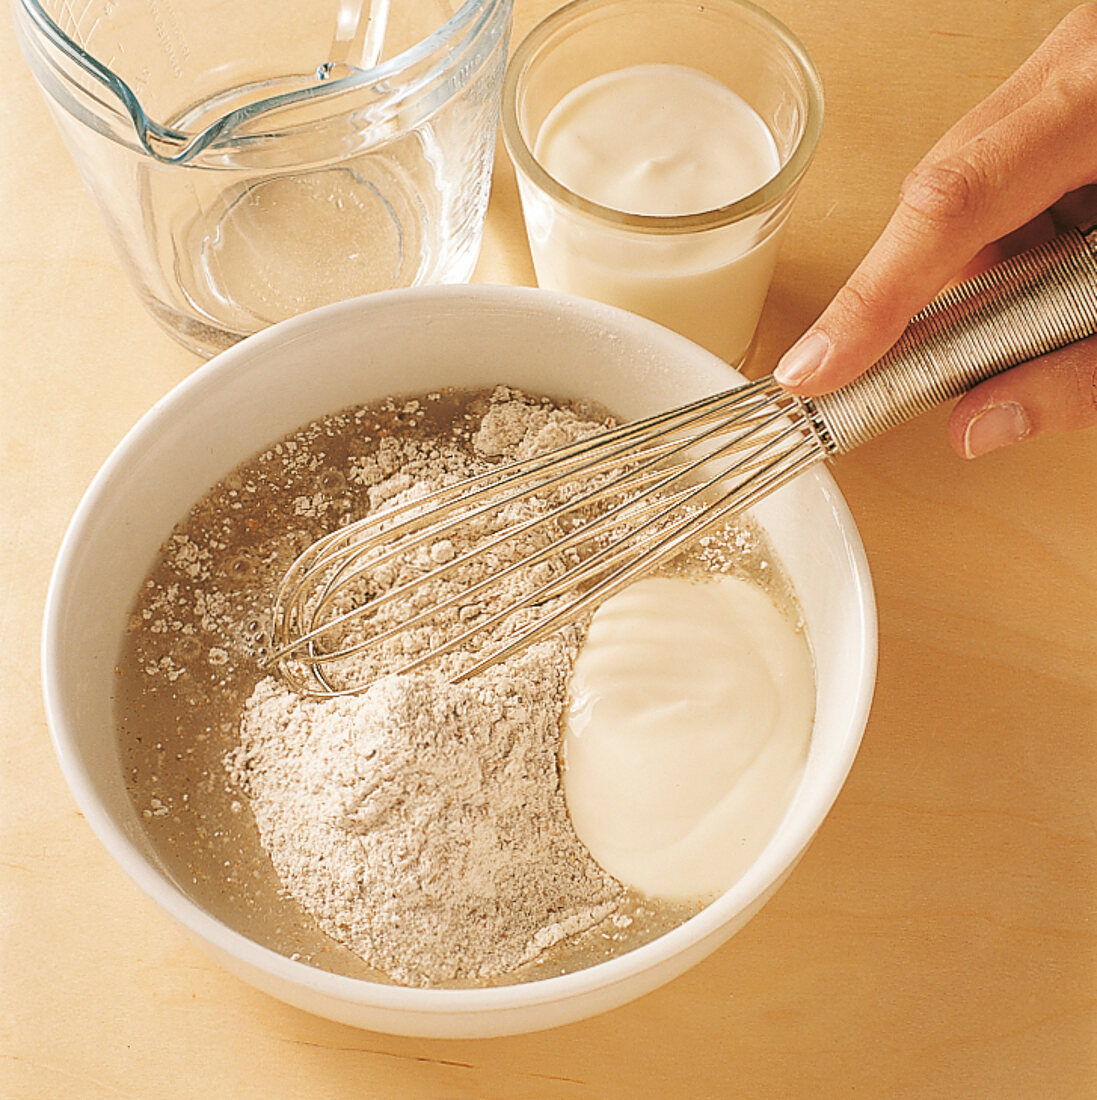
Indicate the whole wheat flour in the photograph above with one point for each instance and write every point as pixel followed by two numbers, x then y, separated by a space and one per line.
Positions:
pixel 422 824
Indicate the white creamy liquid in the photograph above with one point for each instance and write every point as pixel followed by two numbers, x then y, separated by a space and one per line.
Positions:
pixel 688 729
pixel 658 140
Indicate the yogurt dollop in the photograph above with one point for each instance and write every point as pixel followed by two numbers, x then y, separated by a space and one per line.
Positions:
pixel 689 724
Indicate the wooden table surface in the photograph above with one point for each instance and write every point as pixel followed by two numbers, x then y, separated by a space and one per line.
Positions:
pixel 938 940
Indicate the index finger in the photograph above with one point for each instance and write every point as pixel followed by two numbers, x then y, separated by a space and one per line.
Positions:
pixel 950 208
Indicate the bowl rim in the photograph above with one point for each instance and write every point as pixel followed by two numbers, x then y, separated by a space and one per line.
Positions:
pixel 752 888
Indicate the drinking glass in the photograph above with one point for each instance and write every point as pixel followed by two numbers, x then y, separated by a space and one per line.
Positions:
pixel 704 274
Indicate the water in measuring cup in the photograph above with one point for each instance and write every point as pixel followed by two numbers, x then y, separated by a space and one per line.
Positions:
pixel 275 246
pixel 405 213
pixel 292 243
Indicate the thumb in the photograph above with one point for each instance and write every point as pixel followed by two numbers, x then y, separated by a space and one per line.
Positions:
pixel 1057 392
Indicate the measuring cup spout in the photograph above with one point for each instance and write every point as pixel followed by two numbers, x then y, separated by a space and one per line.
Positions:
pixel 356 46
pixel 160 142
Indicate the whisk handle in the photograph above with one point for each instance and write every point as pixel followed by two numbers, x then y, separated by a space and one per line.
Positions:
pixel 1019 309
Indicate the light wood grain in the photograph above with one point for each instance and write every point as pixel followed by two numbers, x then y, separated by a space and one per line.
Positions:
pixel 938 940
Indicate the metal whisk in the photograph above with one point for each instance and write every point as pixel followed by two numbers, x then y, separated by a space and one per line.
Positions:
pixel 624 501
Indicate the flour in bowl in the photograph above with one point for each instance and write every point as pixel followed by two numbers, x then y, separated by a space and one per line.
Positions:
pixel 422 823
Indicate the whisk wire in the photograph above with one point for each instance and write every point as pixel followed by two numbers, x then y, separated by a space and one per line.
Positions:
pixel 347 546
pixel 693 527
pixel 346 549
pixel 728 426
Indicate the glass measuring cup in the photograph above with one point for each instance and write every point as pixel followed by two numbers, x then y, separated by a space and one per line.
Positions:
pixel 252 161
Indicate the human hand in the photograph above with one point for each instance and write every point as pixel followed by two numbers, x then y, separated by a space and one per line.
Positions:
pixel 1018 168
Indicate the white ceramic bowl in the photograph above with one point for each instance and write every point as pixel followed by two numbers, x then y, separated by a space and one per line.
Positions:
pixel 413 341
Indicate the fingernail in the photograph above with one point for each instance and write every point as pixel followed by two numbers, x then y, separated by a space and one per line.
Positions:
pixel 996 427
pixel 803 359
